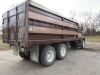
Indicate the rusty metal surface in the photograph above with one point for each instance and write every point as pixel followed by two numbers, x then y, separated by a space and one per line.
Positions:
pixel 40 17
pixel 50 12
pixel 47 27
pixel 34 9
pixel 43 36
pixel 44 30
pixel 39 23
pixel 12 20
pixel 49 37
pixel 50 41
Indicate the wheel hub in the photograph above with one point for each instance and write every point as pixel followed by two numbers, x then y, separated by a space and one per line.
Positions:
pixel 63 51
pixel 50 56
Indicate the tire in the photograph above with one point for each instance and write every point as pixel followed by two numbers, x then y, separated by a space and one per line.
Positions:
pixel 82 45
pixel 61 51
pixel 24 56
pixel 47 56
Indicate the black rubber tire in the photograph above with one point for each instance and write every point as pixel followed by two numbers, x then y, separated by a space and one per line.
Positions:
pixel 24 56
pixel 82 45
pixel 43 56
pixel 58 51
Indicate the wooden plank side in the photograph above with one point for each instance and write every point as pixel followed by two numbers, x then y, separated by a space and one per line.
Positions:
pixel 44 30
pixel 50 41
pixel 43 36
pixel 44 18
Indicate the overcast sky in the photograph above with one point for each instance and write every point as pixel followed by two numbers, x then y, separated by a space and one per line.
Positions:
pixel 63 7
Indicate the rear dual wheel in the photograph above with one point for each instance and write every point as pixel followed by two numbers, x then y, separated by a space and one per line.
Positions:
pixel 61 51
pixel 49 54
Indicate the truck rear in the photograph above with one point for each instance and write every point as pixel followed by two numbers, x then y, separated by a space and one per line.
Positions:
pixel 38 33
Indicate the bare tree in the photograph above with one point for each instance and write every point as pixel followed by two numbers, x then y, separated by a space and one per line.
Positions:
pixel 0 32
pixel 88 22
pixel 73 15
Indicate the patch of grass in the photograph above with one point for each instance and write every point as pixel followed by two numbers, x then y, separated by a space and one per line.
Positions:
pixel 3 45
pixel 93 38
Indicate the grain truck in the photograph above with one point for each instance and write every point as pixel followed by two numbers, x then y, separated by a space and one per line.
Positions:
pixel 39 34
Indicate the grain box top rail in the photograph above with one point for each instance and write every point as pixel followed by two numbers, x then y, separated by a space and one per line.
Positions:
pixel 49 11
pixel 42 8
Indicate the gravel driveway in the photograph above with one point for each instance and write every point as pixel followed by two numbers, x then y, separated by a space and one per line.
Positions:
pixel 77 62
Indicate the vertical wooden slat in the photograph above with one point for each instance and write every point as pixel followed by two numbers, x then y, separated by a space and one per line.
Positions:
pixel 26 22
pixel 16 24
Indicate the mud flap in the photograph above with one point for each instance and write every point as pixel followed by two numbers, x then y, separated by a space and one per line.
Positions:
pixel 34 53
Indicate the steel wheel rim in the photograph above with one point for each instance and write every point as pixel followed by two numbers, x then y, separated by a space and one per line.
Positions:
pixel 50 56
pixel 63 51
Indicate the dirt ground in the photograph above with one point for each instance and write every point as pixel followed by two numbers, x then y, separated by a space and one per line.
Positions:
pixel 77 62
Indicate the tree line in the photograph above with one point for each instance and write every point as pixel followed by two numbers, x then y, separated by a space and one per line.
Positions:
pixel 89 23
